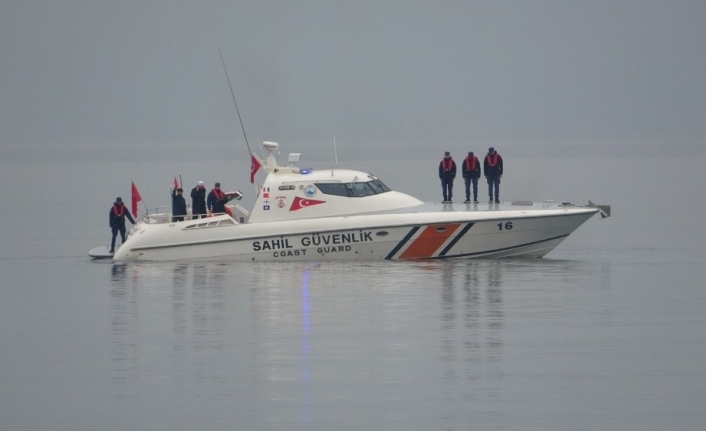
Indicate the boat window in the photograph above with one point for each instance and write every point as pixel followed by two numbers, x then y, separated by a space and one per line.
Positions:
pixel 361 189
pixel 378 186
pixel 336 189
pixel 212 224
pixel 357 189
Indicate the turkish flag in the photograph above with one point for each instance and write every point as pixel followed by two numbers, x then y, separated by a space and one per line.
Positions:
pixel 254 167
pixel 176 185
pixel 135 199
pixel 300 203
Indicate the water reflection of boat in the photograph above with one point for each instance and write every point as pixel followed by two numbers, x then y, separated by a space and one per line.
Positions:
pixel 340 214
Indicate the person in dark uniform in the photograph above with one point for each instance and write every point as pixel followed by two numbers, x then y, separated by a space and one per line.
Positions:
pixel 217 200
pixel 447 173
pixel 178 205
pixel 116 217
pixel 493 171
pixel 471 172
pixel 198 201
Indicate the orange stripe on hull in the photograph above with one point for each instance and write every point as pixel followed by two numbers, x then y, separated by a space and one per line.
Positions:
pixel 429 241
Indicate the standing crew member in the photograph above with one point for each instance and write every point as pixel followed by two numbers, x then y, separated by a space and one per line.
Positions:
pixel 198 201
pixel 471 173
pixel 493 171
pixel 447 173
pixel 178 205
pixel 116 218
pixel 217 200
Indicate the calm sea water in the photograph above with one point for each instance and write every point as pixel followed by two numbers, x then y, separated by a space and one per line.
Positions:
pixel 608 332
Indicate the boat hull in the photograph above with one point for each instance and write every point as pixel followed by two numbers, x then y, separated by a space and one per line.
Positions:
pixel 404 236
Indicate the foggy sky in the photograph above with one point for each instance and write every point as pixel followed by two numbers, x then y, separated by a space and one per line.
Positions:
pixel 398 74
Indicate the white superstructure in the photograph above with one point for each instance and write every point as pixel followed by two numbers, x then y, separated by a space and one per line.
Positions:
pixel 341 214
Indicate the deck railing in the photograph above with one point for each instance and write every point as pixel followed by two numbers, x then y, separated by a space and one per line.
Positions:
pixel 164 214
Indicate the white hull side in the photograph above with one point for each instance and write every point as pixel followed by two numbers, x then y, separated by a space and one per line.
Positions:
pixel 387 236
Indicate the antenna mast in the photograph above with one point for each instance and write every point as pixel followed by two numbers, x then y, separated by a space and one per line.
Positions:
pixel 235 103
pixel 335 150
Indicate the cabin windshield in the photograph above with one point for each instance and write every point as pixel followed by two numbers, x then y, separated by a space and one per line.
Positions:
pixel 353 190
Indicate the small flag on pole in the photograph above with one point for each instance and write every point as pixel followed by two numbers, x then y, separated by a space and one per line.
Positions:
pixel 176 184
pixel 254 167
pixel 135 199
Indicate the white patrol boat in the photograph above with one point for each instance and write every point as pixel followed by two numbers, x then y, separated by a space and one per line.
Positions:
pixel 340 214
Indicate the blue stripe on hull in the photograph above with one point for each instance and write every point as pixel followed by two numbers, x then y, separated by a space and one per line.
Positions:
pixel 514 247
pixel 455 240
pixel 402 243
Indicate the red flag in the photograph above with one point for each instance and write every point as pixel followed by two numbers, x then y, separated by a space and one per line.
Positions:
pixel 176 185
pixel 300 203
pixel 254 167
pixel 135 199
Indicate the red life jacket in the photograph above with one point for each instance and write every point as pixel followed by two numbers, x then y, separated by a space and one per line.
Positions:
pixel 492 160
pixel 446 164
pixel 471 163
pixel 218 193
pixel 118 210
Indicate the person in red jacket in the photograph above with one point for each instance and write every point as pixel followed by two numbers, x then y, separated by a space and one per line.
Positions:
pixel 471 172
pixel 116 220
pixel 493 171
pixel 216 200
pixel 447 173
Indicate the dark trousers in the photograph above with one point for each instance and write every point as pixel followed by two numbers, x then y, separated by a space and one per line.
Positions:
pixel 470 181
pixel 178 218
pixel 494 182
pixel 117 229
pixel 447 186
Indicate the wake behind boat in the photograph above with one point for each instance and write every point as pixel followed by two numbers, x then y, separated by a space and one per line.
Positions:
pixel 341 214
